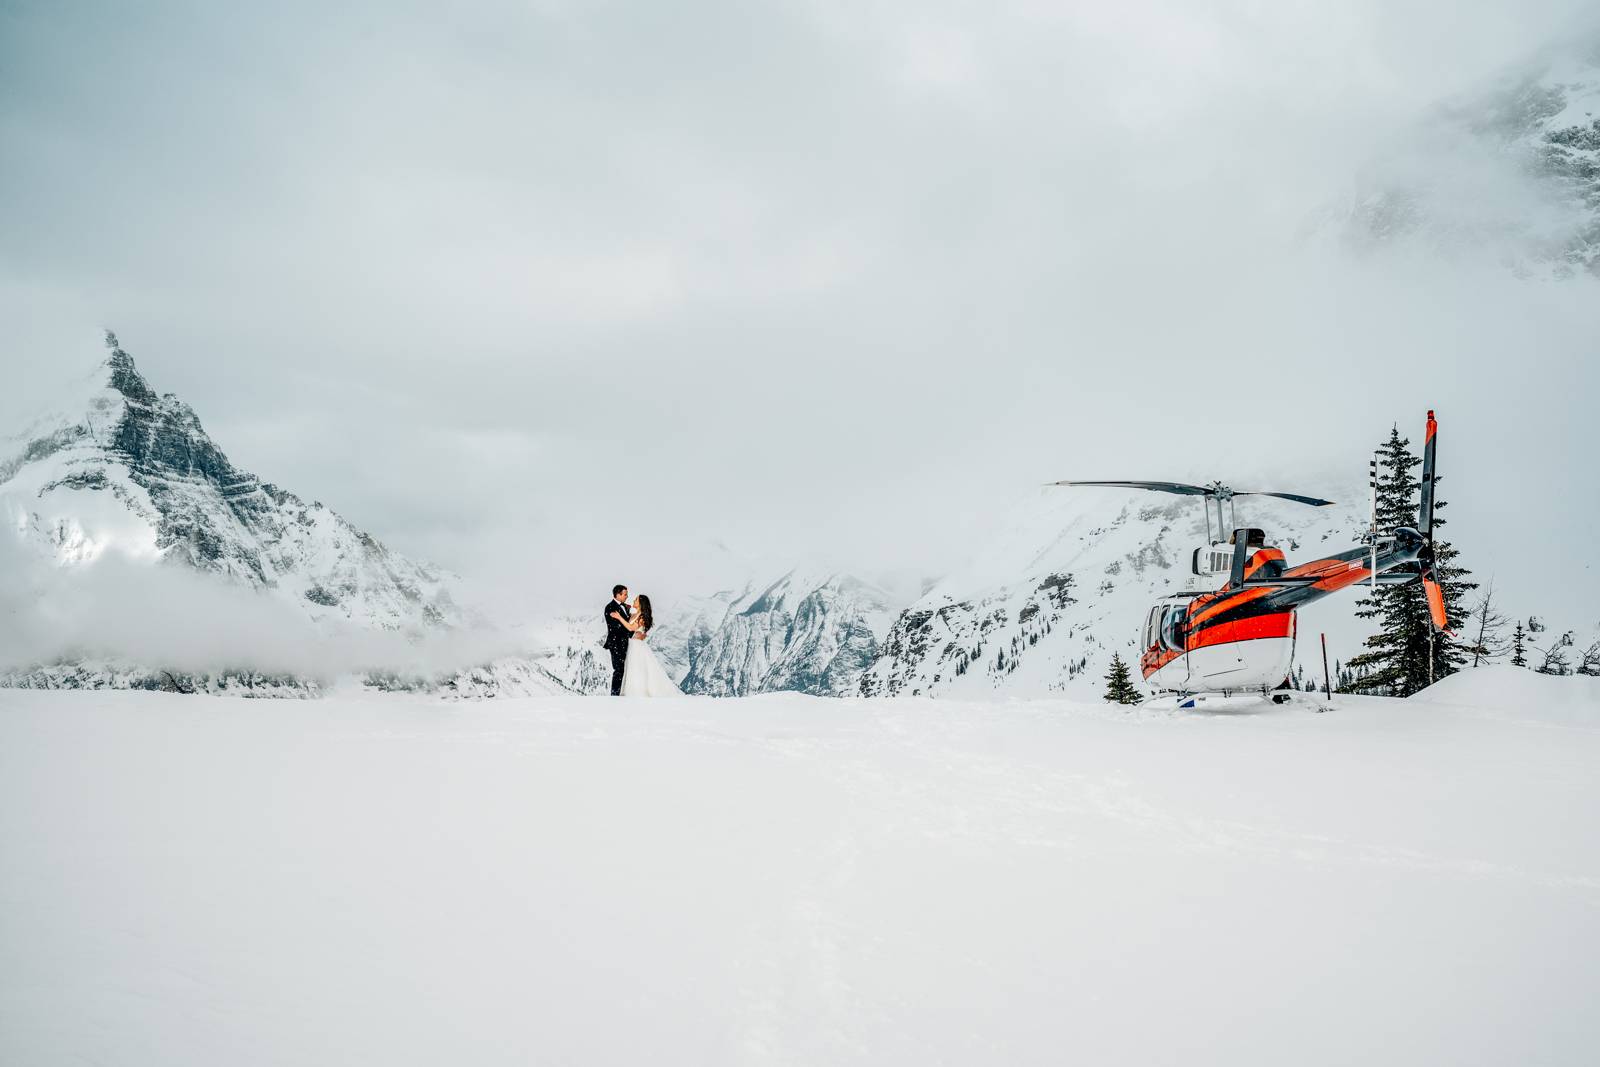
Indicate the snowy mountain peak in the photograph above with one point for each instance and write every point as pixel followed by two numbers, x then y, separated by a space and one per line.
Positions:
pixel 120 374
pixel 120 468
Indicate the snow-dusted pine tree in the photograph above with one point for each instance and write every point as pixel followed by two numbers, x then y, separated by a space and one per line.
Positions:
pixel 1519 646
pixel 1119 687
pixel 1397 662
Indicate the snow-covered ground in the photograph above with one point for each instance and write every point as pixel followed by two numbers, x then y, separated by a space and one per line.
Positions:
pixel 782 879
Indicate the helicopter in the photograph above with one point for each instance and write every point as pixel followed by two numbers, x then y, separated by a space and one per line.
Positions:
pixel 1240 638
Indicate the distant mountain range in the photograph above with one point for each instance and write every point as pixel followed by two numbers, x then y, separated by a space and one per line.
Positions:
pixel 117 469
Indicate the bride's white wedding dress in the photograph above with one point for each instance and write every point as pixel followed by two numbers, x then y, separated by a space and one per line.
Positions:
pixel 643 675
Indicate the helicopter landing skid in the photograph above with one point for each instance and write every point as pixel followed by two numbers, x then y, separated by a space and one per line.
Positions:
pixel 1237 701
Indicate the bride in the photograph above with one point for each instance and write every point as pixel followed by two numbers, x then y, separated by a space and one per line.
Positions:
pixel 642 673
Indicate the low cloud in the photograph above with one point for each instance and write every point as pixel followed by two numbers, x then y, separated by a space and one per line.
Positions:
pixel 163 616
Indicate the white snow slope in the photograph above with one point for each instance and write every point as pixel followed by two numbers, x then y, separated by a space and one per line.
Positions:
pixel 789 880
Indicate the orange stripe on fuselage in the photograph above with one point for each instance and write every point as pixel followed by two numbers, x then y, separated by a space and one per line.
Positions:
pixel 1332 574
pixel 1216 603
pixel 1278 624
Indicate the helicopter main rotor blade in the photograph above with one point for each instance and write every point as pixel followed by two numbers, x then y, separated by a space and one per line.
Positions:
pixel 1315 502
pixel 1160 487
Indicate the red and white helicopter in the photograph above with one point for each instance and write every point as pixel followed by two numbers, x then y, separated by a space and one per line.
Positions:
pixel 1240 638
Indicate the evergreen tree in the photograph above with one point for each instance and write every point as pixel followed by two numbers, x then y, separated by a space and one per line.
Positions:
pixel 1119 687
pixel 1406 655
pixel 1519 646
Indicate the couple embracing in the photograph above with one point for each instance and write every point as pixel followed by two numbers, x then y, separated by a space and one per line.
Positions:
pixel 635 671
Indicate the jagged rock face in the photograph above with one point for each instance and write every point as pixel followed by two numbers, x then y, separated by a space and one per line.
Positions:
pixel 804 633
pixel 1512 173
pixel 688 625
pixel 1064 584
pixel 130 471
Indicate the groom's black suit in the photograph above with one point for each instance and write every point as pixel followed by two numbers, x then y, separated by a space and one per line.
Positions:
pixel 617 638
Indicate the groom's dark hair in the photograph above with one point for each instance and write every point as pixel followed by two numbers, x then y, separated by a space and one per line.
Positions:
pixel 618 589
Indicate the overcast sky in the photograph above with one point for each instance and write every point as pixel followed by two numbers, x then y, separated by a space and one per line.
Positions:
pixel 565 291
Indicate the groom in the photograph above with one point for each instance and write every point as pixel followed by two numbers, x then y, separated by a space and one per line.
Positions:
pixel 617 635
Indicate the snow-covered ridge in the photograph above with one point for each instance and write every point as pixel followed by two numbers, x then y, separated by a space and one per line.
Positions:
pixel 807 632
pixel 1512 172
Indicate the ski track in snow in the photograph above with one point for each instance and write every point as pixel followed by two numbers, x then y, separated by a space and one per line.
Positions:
pixel 784 880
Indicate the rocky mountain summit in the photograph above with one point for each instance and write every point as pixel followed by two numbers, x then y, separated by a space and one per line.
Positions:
pixel 122 469
pixel 117 472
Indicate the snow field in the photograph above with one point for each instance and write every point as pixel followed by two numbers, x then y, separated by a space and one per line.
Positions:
pixel 788 880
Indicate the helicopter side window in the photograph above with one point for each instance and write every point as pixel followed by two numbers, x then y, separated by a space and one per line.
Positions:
pixel 1172 627
pixel 1152 627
